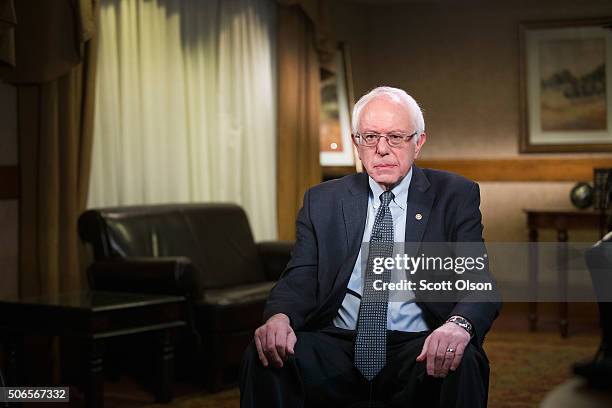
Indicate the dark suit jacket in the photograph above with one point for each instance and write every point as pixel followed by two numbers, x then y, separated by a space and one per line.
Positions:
pixel 330 229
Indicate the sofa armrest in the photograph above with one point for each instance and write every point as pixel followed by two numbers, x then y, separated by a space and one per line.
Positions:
pixel 275 256
pixel 171 276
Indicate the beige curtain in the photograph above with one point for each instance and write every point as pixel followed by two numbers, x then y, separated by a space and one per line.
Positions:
pixel 186 105
pixel 55 49
pixel 322 35
pixel 302 50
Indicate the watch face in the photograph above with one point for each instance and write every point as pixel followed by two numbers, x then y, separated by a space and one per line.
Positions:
pixel 463 323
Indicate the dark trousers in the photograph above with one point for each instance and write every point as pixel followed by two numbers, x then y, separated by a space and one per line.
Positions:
pixel 321 374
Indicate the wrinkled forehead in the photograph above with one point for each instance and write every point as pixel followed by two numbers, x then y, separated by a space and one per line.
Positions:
pixel 386 113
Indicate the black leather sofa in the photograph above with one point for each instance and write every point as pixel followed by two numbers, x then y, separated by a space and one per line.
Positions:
pixel 204 252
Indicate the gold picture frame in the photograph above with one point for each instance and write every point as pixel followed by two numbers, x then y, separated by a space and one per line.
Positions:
pixel 566 85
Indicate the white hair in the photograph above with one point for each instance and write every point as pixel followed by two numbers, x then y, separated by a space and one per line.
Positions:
pixel 396 95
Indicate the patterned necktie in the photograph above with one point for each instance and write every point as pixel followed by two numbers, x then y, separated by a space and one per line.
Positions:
pixel 371 342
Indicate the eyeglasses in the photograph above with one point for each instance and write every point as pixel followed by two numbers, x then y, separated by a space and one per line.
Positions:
pixel 371 139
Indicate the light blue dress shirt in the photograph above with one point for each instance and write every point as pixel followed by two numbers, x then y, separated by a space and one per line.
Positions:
pixel 404 316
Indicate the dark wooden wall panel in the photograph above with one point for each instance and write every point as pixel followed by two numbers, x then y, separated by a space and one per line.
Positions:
pixel 9 182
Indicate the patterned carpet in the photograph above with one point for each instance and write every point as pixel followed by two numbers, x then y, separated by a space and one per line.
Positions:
pixel 524 367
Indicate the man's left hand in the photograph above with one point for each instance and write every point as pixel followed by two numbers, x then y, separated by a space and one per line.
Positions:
pixel 440 360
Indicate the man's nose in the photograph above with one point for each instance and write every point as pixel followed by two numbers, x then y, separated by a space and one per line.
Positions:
pixel 382 147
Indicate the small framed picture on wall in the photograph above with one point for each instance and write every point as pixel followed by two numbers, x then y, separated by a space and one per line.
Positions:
pixel 566 85
pixel 336 147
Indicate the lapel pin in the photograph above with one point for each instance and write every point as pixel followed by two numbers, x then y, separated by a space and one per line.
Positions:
pixel 419 216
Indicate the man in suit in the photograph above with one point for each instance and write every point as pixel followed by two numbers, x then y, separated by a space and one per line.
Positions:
pixel 321 343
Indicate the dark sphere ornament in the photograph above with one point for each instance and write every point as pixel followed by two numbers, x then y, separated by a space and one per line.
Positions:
pixel 582 195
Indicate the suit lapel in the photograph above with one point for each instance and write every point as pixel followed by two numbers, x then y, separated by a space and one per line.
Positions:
pixel 418 209
pixel 354 213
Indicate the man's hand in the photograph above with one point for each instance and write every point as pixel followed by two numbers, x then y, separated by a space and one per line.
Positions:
pixel 435 349
pixel 275 340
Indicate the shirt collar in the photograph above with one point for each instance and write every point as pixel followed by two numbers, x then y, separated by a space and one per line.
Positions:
pixel 400 191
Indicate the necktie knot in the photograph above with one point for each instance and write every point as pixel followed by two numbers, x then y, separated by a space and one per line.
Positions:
pixel 386 197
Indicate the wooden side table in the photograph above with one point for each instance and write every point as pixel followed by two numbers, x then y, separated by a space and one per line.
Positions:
pixel 91 318
pixel 560 220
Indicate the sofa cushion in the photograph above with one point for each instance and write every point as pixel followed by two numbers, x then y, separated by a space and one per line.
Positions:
pixel 228 252
pixel 233 309
pixel 237 294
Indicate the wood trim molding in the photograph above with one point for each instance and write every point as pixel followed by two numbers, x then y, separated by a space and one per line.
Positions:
pixel 520 169
pixel 332 172
pixel 9 182
pixel 511 169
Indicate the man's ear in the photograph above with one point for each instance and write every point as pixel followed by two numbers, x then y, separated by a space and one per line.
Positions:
pixel 419 144
pixel 356 146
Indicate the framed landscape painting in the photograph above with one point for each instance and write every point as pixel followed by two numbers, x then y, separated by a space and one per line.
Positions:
pixel 566 85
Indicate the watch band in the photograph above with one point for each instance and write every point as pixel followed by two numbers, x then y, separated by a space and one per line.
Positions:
pixel 463 323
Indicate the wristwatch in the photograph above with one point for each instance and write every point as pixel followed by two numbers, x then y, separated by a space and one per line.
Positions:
pixel 463 323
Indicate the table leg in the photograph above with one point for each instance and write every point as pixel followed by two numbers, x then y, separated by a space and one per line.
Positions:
pixel 94 374
pixel 533 278
pixel 14 374
pixel 165 367
pixel 562 256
